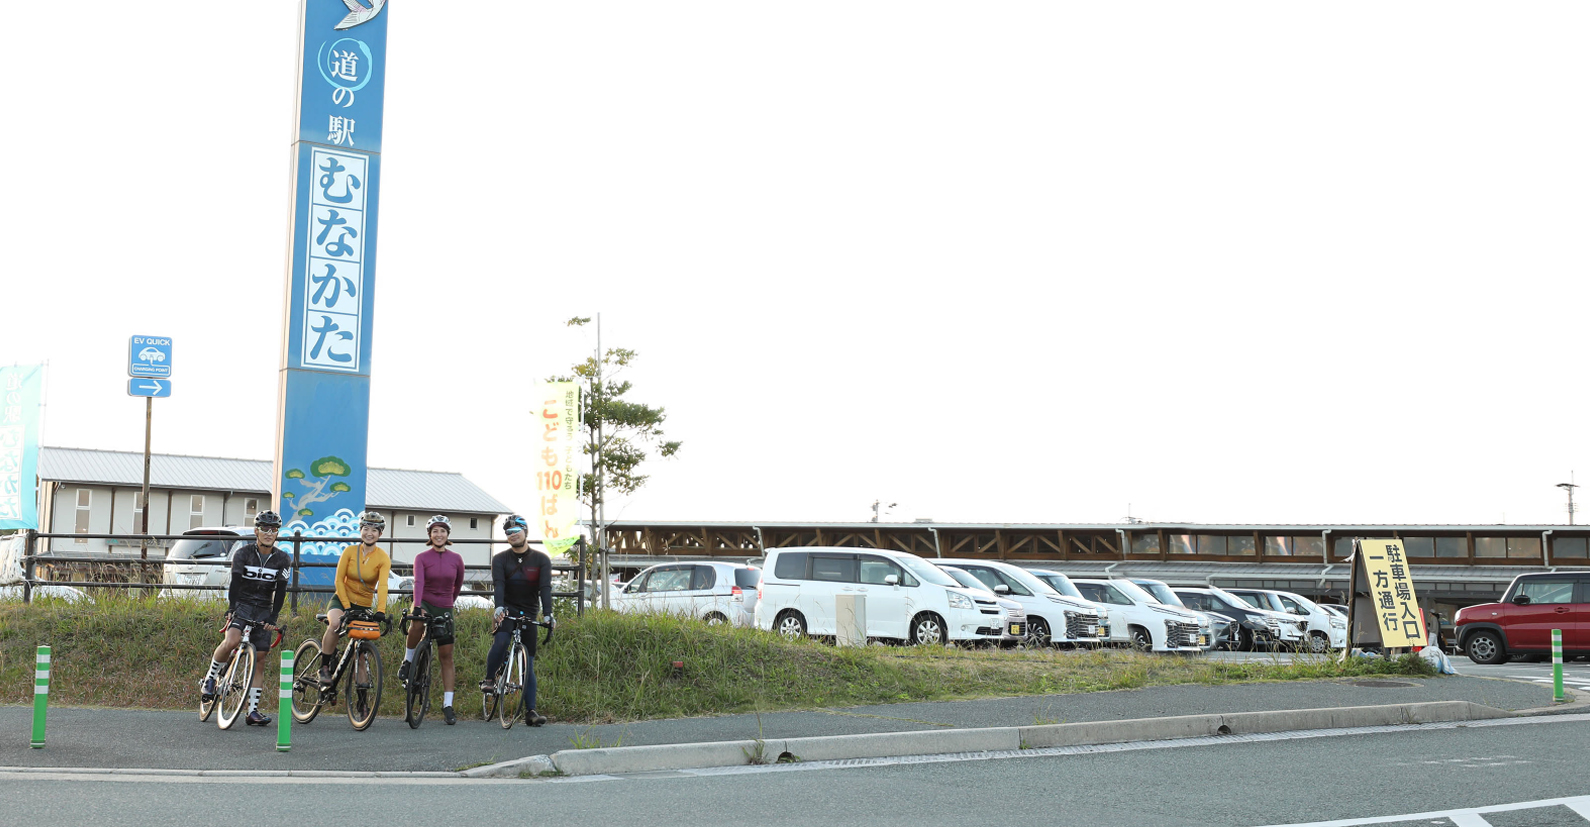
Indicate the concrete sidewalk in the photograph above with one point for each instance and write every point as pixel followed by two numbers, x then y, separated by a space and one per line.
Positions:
pixel 123 739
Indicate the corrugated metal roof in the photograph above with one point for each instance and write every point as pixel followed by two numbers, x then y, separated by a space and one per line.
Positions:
pixel 390 488
pixel 1339 529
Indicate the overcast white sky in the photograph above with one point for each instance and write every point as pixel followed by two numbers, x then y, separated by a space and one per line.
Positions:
pixel 1016 261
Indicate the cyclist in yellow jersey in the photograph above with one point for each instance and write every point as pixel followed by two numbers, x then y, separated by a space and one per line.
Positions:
pixel 360 582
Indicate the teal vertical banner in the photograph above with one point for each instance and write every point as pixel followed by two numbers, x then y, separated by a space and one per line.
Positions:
pixel 21 415
pixel 324 388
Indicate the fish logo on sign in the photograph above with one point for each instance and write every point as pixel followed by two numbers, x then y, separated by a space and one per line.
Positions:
pixel 358 13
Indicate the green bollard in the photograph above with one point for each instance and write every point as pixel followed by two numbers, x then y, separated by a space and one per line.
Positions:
pixel 284 715
pixel 41 695
pixel 1556 665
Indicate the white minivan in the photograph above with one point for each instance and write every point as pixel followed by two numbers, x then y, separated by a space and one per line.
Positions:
pixel 1325 630
pixel 714 592
pixel 1052 618
pixel 907 598
pixel 1152 626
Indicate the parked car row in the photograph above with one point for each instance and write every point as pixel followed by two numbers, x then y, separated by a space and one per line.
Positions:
pixel 944 600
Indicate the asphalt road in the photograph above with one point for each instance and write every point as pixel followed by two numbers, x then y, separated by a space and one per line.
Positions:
pixel 1576 674
pixel 1231 785
pixel 172 740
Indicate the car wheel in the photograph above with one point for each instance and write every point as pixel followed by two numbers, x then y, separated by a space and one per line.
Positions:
pixel 1038 632
pixel 791 625
pixel 927 630
pixel 1142 641
pixel 1485 647
pixel 1319 643
pixel 1244 639
pixel 715 619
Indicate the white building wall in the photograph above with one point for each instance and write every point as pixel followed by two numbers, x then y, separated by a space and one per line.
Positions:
pixel 171 512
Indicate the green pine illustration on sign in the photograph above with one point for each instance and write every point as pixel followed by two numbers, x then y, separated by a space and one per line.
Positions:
pixel 322 471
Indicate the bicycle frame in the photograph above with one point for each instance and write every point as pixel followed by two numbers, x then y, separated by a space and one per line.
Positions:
pixel 328 689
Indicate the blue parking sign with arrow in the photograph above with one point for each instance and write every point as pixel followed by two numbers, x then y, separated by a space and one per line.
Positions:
pixel 149 356
pixel 155 388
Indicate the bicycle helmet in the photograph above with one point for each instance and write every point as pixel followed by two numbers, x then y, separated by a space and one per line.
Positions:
pixel 372 519
pixel 439 520
pixel 267 519
pixel 514 522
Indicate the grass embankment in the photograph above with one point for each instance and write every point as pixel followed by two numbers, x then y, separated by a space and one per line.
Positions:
pixel 143 653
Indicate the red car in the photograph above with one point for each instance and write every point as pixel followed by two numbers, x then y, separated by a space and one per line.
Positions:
pixel 1521 624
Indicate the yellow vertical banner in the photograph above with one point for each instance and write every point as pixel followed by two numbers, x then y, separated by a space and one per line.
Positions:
pixel 556 433
pixel 1391 593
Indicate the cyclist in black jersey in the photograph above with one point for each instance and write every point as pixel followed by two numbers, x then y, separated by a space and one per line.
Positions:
pixel 522 583
pixel 259 586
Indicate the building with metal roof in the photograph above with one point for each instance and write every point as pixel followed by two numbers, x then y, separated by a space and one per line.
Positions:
pixel 90 491
pixel 1452 565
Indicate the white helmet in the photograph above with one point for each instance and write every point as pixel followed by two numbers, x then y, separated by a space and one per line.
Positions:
pixel 439 520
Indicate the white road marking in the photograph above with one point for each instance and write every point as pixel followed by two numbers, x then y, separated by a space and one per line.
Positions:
pixel 1466 817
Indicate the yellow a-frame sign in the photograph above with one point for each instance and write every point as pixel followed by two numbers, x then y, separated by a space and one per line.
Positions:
pixel 1382 605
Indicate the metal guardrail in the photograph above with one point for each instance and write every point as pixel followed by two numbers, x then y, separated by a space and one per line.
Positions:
pixel 31 558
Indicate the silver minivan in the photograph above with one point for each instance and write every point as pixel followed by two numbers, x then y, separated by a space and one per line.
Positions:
pixel 714 592
pixel 203 557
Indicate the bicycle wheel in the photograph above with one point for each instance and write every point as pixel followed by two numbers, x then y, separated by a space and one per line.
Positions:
pixel 510 685
pixel 418 697
pixel 364 685
pixel 488 700
pixel 233 691
pixel 306 681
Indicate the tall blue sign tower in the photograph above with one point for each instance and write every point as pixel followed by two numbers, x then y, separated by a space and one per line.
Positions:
pixel 324 389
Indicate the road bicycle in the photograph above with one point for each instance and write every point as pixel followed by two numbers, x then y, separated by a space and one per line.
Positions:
pixel 506 701
pixel 417 690
pixel 358 668
pixel 232 685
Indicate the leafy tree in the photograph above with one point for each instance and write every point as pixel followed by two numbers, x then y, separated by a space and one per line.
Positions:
pixel 618 432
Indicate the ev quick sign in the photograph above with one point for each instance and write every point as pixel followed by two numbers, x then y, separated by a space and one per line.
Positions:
pixel 323 422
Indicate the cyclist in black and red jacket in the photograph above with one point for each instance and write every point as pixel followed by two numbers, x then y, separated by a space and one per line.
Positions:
pixel 522 582
pixel 260 572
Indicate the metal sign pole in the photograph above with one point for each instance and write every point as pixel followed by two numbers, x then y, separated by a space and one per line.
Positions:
pixel 149 419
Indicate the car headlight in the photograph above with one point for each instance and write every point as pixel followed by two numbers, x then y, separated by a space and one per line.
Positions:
pixel 1338 623
pixel 960 601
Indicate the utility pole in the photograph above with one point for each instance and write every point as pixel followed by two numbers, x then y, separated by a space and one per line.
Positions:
pixel 596 460
pixel 1569 487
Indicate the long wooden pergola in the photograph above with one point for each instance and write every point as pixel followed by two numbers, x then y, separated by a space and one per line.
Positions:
pixel 1447 545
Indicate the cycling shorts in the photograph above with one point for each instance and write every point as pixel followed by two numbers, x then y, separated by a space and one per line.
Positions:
pixel 441 623
pixel 260 637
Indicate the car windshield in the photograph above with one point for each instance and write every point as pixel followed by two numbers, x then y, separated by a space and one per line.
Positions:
pixel 1134 591
pixel 928 572
pixel 1161 593
pixel 1026 578
pixel 1059 583
pixel 196 548
pixel 966 580
pixel 1230 599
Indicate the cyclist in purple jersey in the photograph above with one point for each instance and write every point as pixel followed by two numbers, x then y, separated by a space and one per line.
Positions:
pixel 438 578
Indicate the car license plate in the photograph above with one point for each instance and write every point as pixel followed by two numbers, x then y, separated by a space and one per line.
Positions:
pixel 1101 631
pixel 1015 629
